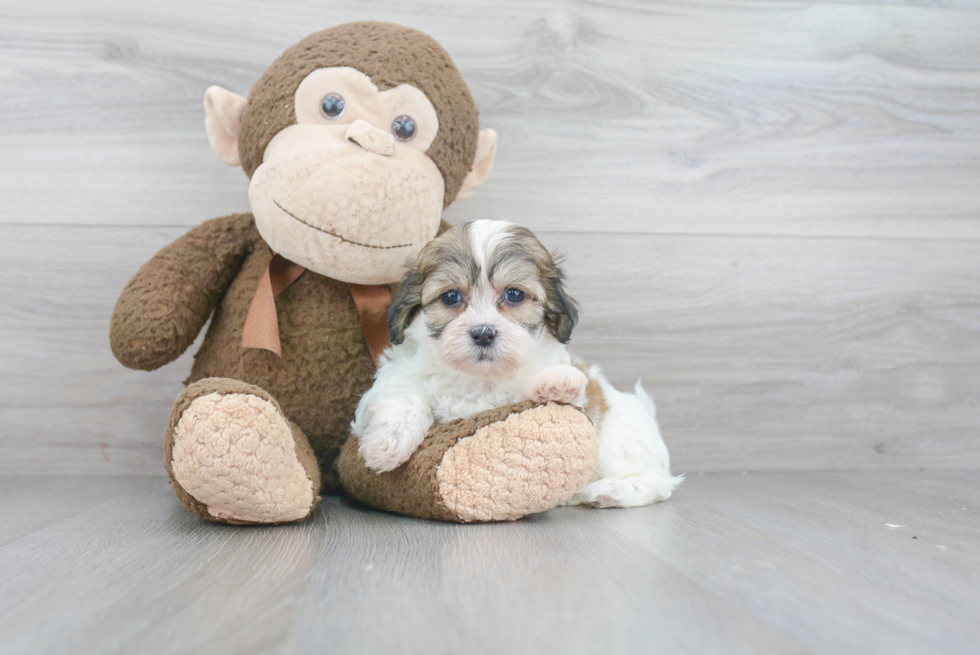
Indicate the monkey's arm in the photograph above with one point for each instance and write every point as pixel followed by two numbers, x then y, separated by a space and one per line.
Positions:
pixel 168 301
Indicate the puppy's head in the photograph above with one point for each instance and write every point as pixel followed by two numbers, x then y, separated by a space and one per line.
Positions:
pixel 486 292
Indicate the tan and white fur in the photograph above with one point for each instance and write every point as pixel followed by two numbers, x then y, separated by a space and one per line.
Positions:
pixel 480 321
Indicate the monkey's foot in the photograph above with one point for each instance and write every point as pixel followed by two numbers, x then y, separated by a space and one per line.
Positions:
pixel 234 458
pixel 499 465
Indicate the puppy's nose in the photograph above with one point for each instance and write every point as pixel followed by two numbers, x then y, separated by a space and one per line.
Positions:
pixel 483 335
pixel 371 138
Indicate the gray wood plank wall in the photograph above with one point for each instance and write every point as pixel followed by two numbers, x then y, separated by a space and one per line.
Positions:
pixel 771 211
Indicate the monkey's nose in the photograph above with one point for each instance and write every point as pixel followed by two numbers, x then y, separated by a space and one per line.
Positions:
pixel 483 335
pixel 371 138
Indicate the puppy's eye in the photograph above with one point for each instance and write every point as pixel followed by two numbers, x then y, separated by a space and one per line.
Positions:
pixel 332 105
pixel 515 296
pixel 451 298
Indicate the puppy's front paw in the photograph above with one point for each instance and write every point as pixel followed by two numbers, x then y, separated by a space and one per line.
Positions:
pixel 385 449
pixel 560 384
pixel 396 430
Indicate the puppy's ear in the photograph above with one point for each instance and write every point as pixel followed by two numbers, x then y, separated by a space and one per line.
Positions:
pixel 405 305
pixel 560 311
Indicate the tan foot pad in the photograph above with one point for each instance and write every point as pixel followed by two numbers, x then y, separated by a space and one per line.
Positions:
pixel 235 454
pixel 527 463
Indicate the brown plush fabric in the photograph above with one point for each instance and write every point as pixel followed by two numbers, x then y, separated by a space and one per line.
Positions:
pixel 168 301
pixel 413 488
pixel 307 458
pixel 304 452
pixel 390 55
pixel 325 364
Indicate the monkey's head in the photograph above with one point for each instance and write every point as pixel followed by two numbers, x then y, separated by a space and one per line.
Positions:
pixel 355 140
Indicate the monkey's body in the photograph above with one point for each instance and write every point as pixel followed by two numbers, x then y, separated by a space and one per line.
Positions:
pixel 325 364
pixel 336 194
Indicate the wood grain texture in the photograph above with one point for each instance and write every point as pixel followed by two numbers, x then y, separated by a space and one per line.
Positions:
pixel 695 117
pixel 760 563
pixel 770 210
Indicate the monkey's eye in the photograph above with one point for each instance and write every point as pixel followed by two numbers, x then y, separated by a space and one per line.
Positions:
pixel 515 296
pixel 451 298
pixel 403 128
pixel 332 105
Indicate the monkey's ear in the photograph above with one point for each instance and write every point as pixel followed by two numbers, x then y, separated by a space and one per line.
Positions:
pixel 224 111
pixel 486 150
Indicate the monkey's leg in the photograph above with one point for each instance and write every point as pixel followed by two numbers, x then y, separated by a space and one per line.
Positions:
pixel 497 465
pixel 233 457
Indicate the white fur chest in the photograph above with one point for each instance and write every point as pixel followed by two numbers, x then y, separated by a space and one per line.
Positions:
pixel 452 398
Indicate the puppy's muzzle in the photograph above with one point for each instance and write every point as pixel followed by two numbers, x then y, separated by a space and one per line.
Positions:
pixel 483 335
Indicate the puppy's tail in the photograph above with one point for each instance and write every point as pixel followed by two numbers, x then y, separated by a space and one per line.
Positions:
pixel 645 400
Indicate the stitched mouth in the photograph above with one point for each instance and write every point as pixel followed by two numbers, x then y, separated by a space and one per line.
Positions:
pixel 337 236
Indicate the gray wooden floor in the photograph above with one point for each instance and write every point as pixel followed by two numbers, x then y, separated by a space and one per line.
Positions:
pixel 755 563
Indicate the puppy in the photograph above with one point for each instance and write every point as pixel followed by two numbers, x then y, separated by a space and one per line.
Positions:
pixel 480 321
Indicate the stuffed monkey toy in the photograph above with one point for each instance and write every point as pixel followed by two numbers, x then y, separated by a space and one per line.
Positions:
pixel 354 141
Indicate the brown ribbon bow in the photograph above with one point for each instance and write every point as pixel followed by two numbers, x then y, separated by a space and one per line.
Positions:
pixel 261 328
